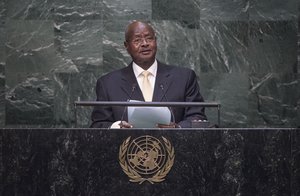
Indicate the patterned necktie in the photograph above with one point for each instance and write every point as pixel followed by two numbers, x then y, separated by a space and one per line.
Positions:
pixel 146 87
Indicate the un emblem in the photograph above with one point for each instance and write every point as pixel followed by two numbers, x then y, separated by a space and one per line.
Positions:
pixel 146 158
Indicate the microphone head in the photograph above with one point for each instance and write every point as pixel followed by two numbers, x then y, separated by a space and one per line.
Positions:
pixel 134 86
pixel 162 86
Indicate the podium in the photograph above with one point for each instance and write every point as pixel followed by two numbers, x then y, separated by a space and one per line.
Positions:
pixel 205 162
pixel 147 104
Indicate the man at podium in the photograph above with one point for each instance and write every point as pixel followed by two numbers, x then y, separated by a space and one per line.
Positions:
pixel 146 79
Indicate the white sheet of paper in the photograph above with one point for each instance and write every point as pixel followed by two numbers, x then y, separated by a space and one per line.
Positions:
pixel 148 117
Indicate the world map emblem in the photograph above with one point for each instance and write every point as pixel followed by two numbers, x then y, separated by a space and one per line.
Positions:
pixel 146 158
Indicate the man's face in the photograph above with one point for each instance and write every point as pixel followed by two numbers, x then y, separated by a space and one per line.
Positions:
pixel 141 44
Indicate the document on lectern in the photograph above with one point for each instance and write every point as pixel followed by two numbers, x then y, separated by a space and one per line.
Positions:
pixel 148 117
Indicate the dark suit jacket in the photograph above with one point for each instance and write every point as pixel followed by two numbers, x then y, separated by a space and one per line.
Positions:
pixel 179 85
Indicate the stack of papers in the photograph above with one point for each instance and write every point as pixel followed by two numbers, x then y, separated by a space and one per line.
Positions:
pixel 148 117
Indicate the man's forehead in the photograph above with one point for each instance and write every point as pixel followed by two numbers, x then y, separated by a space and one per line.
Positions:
pixel 140 31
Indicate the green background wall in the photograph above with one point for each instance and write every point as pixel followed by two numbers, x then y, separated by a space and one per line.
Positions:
pixel 244 53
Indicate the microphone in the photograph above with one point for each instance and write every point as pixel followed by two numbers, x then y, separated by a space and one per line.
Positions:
pixel 170 108
pixel 131 93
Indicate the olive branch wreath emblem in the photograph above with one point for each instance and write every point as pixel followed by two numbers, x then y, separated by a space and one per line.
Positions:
pixel 134 176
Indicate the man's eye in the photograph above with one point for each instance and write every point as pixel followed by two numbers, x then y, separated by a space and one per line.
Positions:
pixel 137 40
pixel 150 38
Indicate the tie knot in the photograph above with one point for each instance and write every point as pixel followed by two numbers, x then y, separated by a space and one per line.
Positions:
pixel 146 73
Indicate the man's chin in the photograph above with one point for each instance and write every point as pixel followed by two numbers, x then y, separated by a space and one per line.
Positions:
pixel 145 60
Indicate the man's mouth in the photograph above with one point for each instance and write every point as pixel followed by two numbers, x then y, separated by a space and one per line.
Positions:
pixel 146 51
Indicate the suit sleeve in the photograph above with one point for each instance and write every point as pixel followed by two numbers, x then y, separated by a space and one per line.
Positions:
pixel 192 94
pixel 102 116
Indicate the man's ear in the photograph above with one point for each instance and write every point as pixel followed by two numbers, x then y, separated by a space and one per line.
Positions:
pixel 126 44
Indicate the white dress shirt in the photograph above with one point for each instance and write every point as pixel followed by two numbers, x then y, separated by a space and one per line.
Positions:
pixel 139 76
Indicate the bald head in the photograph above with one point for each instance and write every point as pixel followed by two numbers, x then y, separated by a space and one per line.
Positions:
pixel 129 32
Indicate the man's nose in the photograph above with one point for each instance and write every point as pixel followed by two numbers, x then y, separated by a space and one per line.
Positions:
pixel 144 42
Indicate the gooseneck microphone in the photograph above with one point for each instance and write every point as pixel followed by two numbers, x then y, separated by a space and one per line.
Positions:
pixel 131 93
pixel 170 108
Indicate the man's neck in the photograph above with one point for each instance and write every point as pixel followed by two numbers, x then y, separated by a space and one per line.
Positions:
pixel 138 69
pixel 145 64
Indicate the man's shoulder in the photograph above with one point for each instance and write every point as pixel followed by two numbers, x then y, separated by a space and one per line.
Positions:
pixel 113 74
pixel 175 68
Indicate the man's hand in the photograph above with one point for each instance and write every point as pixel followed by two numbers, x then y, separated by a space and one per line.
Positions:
pixel 124 124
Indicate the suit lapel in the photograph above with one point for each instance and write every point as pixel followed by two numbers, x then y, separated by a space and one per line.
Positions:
pixel 130 85
pixel 162 83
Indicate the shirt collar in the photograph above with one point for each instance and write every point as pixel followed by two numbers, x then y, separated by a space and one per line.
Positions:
pixel 138 70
